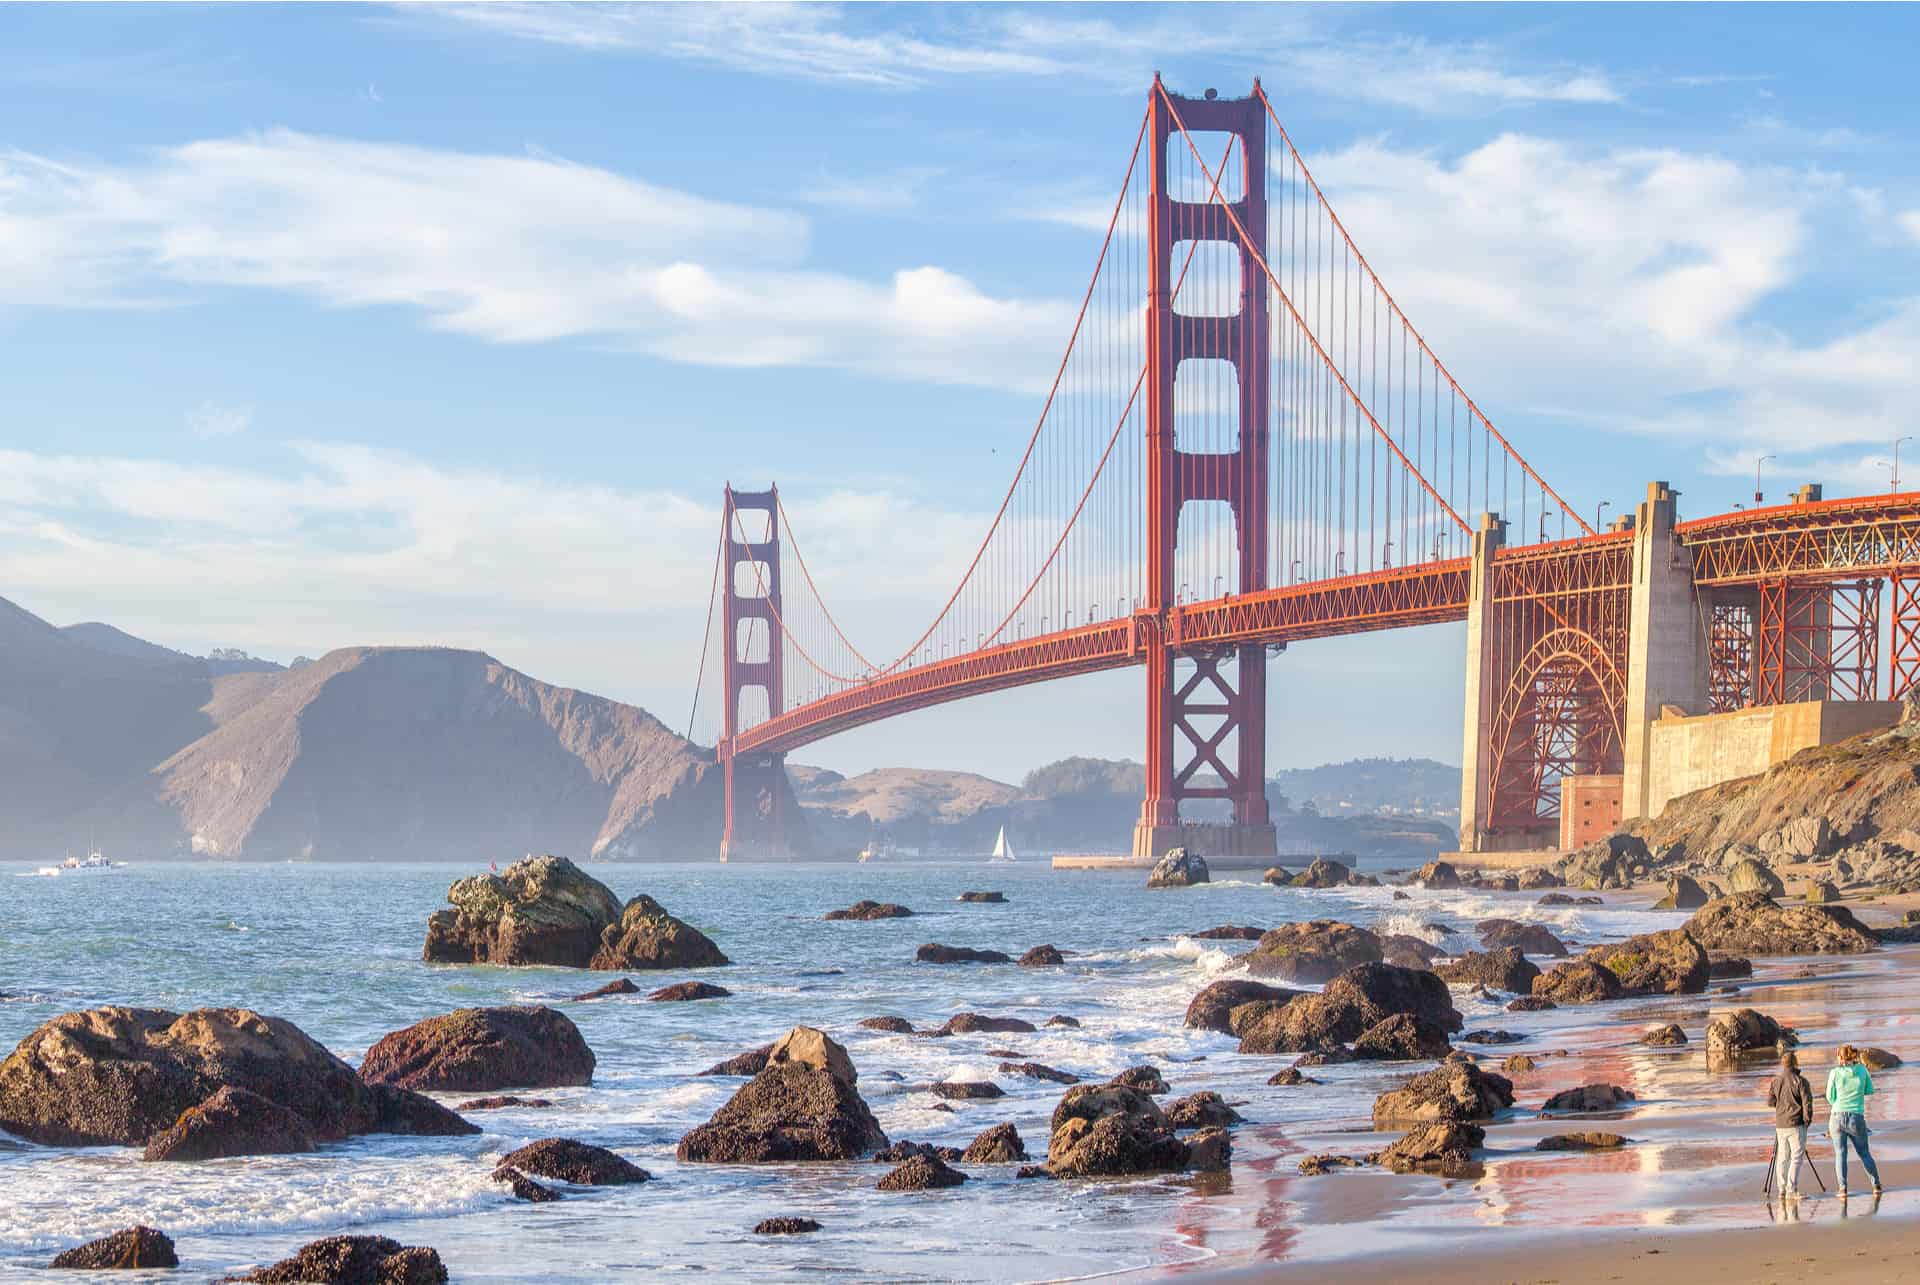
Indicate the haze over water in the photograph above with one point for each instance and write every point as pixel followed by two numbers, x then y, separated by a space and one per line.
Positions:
pixel 336 949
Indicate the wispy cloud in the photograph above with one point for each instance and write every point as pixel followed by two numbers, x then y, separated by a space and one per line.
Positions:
pixel 504 248
pixel 891 193
pixel 1910 222
pixel 213 419
pixel 899 47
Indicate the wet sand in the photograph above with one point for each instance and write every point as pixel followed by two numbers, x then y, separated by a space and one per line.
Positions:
pixel 1682 1202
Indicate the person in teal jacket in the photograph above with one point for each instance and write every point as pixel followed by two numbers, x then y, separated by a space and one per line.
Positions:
pixel 1848 1088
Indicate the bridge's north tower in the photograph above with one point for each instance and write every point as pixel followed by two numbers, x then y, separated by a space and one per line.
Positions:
pixel 1207 728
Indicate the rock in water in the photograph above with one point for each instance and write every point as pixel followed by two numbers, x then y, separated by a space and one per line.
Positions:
pixel 891 1025
pixel 1879 1059
pixel 134 1247
pixel 1578 981
pixel 981 1023
pixel 1313 952
pixel 1664 963
pixel 1146 1079
pixel 502 1102
pixel 523 1187
pixel 1210 1150
pixel 1752 923
pixel 1682 894
pixel 1454 1091
pixel 1348 1006
pixel 1178 869
pixel 646 936
pixel 624 986
pixel 233 1122
pixel 984 898
pixel 1229 932
pixel 1042 957
pixel 1404 951
pixel 787 1226
pixel 1529 939
pixel 1580 1142
pixel 1443 1145
pixel 869 910
pixel 1209 1009
pixel 354 1260
pixel 968 1091
pixel 681 992
pixel 752 1062
pixel 1590 1097
pixel 1203 1110
pixel 1664 1037
pixel 1105 1130
pixel 999 1145
pixel 543 910
pixel 1507 969
pixel 1530 1004
pixel 1438 874
pixel 1745 1031
pixel 803 1106
pixel 477 1050
pixel 121 1076
pixel 1036 1071
pixel 1323 873
pixel 934 952
pixel 1748 875
pixel 580 1163
pixel 921 1173
pixel 1519 1064
pixel 1402 1038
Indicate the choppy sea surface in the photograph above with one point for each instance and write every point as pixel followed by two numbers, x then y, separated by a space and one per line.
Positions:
pixel 336 949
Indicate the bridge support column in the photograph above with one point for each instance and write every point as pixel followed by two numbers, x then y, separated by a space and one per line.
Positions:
pixel 1192 717
pixel 1483 686
pixel 1667 646
pixel 754 785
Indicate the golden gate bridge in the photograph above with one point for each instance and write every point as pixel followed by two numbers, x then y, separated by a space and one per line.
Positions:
pixel 1247 443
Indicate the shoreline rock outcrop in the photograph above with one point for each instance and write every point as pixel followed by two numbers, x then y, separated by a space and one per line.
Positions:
pixel 865 910
pixel 1454 1091
pixel 480 1050
pixel 1752 923
pixel 542 910
pixel 135 1247
pixel 646 936
pixel 934 952
pixel 803 1106
pixel 1178 869
pixel 1312 952
pixel 579 1163
pixel 233 1122
pixel 354 1260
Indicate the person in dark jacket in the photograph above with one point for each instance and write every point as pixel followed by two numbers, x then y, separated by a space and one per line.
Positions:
pixel 1792 1101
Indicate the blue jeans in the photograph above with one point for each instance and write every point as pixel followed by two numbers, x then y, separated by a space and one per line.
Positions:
pixel 1849 1129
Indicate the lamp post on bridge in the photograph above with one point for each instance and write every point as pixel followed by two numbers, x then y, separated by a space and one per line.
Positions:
pixel 1758 498
pixel 1604 504
pixel 1894 483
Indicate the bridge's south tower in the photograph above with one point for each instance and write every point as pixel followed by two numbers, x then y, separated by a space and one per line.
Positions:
pixel 1206 708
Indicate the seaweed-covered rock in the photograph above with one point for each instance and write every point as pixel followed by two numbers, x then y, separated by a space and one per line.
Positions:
pixel 1147 1079
pixel 500 1102
pixel 1322 873
pixel 889 1024
pixel 999 1145
pixel 354 1260
pixel 646 936
pixel 233 1122
pixel 803 1106
pixel 543 910
pixel 921 1173
pixel 1669 1036
pixel 1178 869
pixel 580 1163
pixel 1743 1031
pixel 1064 1022
pixel 1506 969
pixel 1042 957
pixel 1312 952
pixel 1530 939
pixel 907 1149
pixel 120 1076
pixel 681 992
pixel 1202 1110
pixel 934 952
pixel 1578 981
pixel 1590 1097
pixel 1349 1005
pixel 865 910
pixel 1210 1008
pixel 984 898
pixel 1443 1145
pixel 1290 1077
pixel 1453 1091
pixel 968 1090
pixel 1663 963
pixel 1753 923
pixel 134 1247
pixel 1229 932
pixel 1492 1036
pixel 1210 1150
pixel 785 1226
pixel 1402 1038
pixel 1580 1142
pixel 1036 1071
pixel 981 1023
pixel 1530 1004
pixel 473 1050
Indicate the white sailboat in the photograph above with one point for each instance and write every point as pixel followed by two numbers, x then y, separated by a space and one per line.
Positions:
pixel 1002 850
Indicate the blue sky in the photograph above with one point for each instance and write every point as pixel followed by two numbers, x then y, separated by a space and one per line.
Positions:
pixel 332 325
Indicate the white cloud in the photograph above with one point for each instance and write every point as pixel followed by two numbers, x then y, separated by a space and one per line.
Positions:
pixel 850 45
pixel 1910 222
pixel 213 419
pixel 893 193
pixel 510 249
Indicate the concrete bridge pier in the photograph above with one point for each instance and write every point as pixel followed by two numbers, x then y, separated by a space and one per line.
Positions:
pixel 1483 686
pixel 1667 646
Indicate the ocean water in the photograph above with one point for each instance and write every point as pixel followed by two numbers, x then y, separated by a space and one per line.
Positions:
pixel 335 949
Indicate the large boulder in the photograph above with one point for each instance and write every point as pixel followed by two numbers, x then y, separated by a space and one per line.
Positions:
pixel 1530 939
pixel 921 1173
pixel 1312 952
pixel 478 1050
pixel 1209 1009
pixel 1178 869
pixel 1042 957
pixel 1323 873
pixel 999 1145
pixel 984 1024
pixel 1203 1110
pixel 1506 969
pixel 354 1260
pixel 1745 1031
pixel 121 1076
pixel 752 1062
pixel 648 937
pixel 934 952
pixel 1438 874
pixel 1612 862
pixel 543 910
pixel 233 1122
pixel 1590 1097
pixel 1093 1101
pixel 580 1163
pixel 1452 1091
pixel 1443 1146
pixel 1748 875
pixel 1663 963
pixel 801 1107
pixel 869 910
pixel 1683 893
pixel 134 1247
pixel 1406 951
pixel 1402 1038
pixel 1752 923
pixel 1578 981
pixel 1349 1005
pixel 1111 1129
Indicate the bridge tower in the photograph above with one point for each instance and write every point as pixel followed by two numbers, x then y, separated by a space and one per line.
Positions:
pixel 756 790
pixel 1191 718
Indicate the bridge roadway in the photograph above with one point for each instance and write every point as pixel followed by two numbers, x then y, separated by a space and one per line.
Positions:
pixel 1872 536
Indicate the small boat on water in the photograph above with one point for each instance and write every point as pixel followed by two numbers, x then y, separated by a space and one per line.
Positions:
pixel 94 860
pixel 1002 850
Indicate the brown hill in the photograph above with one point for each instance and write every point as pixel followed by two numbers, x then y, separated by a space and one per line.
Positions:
pixel 891 794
